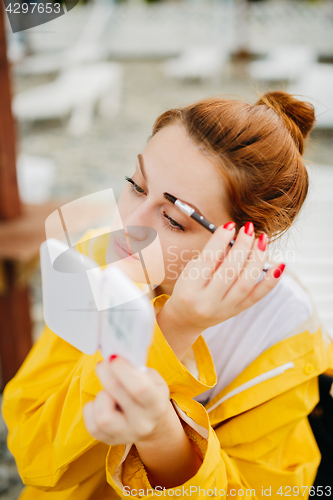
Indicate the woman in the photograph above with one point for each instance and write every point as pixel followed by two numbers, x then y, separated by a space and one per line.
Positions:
pixel 230 420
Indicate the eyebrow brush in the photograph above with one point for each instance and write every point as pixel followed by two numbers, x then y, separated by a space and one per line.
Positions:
pixel 186 209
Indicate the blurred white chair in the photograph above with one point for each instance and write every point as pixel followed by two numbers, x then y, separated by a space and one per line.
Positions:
pixel 86 49
pixel 197 63
pixel 74 93
pixel 35 178
pixel 16 48
pixel 316 86
pixel 283 63
pixel 42 64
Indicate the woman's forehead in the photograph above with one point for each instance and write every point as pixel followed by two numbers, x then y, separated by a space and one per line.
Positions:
pixel 174 163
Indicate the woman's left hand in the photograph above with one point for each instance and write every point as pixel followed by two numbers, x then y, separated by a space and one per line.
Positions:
pixel 132 407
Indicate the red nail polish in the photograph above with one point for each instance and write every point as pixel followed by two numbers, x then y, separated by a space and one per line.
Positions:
pixel 279 270
pixel 249 228
pixel 112 357
pixel 229 225
pixel 262 242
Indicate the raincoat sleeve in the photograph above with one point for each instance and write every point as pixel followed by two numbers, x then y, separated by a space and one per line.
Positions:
pixel 126 472
pixel 42 407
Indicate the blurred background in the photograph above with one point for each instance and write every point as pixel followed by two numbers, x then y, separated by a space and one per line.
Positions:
pixel 87 87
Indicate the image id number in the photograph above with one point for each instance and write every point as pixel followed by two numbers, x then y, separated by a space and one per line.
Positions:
pixel 301 491
pixel 40 8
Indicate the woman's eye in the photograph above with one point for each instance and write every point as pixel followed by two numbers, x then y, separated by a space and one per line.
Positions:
pixel 135 188
pixel 173 225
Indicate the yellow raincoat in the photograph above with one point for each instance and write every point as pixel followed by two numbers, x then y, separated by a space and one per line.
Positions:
pixel 254 436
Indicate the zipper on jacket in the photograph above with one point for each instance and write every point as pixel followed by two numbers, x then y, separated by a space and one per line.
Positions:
pixel 254 381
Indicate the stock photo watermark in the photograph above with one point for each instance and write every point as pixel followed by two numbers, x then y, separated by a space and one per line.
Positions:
pixel 236 261
pixel 198 491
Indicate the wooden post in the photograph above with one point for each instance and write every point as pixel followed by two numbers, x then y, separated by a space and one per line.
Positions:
pixel 10 206
pixel 15 322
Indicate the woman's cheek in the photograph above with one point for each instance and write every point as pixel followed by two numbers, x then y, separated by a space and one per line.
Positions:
pixel 127 205
pixel 176 257
pixel 153 258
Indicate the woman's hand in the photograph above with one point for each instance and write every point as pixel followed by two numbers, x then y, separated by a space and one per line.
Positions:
pixel 216 286
pixel 133 406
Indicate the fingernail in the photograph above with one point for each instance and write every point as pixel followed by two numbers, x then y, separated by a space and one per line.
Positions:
pixel 279 270
pixel 249 228
pixel 229 225
pixel 112 357
pixel 262 242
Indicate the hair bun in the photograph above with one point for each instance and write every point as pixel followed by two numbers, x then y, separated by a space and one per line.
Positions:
pixel 298 116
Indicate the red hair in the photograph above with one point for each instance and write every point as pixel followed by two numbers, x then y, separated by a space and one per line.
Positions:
pixel 258 150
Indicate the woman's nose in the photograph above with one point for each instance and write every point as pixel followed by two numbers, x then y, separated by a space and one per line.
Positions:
pixel 138 233
pixel 139 237
pixel 138 228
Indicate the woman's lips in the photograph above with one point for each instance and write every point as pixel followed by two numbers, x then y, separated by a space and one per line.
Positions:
pixel 121 252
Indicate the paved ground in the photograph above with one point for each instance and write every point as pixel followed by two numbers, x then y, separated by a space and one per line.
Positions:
pixel 108 151
pixel 10 483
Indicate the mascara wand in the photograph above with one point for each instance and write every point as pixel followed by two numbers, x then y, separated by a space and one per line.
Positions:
pixel 186 209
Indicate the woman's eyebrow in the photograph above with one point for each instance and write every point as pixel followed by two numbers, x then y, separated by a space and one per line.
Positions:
pixel 144 175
